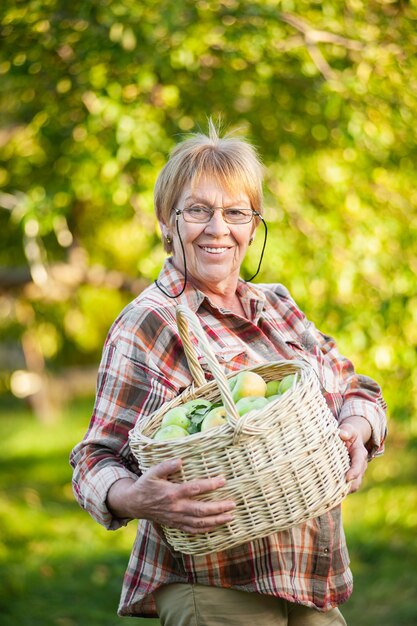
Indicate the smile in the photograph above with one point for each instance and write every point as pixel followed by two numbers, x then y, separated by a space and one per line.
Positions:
pixel 214 250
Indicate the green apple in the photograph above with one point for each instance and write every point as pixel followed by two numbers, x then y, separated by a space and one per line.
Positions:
pixel 216 417
pixel 250 403
pixel 176 417
pixel 272 388
pixel 274 397
pixel 286 383
pixel 247 384
pixel 170 432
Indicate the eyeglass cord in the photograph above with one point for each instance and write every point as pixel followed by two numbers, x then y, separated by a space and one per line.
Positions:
pixel 185 270
pixel 185 262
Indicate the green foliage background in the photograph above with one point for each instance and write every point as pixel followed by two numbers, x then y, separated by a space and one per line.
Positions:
pixel 93 97
pixel 95 94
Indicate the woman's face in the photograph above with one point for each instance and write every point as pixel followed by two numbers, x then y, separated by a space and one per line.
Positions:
pixel 214 251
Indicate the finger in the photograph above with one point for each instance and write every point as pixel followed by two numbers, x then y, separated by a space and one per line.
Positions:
pixel 359 463
pixel 354 485
pixel 164 469
pixel 203 485
pixel 180 519
pixel 347 433
pixel 205 524
pixel 356 470
pixel 354 480
pixel 199 509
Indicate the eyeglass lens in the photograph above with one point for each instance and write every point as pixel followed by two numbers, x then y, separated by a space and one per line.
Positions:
pixel 204 214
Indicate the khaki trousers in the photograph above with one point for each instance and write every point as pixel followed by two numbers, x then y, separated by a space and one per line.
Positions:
pixel 199 605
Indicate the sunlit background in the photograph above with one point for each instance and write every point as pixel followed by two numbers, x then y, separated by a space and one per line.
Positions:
pixel 93 95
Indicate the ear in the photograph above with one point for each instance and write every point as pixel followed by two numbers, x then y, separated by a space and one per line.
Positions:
pixel 164 229
pixel 253 231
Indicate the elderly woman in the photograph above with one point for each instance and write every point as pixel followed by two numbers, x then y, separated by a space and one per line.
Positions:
pixel 208 201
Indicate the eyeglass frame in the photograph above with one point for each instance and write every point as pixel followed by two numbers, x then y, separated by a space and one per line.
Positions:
pixel 211 210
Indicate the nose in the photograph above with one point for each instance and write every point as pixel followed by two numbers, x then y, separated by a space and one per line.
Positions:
pixel 217 226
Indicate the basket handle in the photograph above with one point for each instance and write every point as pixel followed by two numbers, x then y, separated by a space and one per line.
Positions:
pixel 185 318
pixel 239 423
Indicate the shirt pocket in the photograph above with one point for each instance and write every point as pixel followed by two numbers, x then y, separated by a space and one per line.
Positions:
pixel 231 358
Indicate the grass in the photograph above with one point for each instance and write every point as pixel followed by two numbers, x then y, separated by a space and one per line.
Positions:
pixel 59 568
pixel 381 525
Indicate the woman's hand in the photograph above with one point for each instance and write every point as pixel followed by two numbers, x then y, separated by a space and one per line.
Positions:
pixel 154 497
pixel 355 434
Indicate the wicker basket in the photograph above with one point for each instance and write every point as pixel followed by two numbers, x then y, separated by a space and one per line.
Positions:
pixel 283 464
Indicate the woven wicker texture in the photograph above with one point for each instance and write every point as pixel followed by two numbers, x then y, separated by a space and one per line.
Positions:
pixel 284 463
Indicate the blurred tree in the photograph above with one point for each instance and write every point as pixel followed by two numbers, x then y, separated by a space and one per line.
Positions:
pixel 93 97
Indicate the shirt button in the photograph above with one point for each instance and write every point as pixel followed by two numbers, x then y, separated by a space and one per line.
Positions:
pixel 326 550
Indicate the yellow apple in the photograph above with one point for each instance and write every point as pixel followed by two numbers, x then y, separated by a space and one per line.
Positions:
pixel 246 384
pixel 216 417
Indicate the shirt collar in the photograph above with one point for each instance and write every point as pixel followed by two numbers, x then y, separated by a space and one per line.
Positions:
pixel 172 281
pixel 252 298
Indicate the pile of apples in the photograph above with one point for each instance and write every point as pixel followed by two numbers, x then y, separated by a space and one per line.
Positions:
pixel 249 392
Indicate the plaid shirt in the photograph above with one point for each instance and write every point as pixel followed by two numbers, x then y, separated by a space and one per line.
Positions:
pixel 143 366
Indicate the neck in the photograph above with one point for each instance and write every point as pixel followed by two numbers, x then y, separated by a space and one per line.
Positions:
pixel 222 296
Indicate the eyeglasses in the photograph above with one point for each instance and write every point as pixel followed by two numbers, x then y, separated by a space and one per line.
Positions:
pixel 202 214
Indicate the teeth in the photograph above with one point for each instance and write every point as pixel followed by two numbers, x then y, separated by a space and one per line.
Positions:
pixel 215 250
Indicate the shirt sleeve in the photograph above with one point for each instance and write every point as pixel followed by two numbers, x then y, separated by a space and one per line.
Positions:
pixel 127 390
pixel 360 395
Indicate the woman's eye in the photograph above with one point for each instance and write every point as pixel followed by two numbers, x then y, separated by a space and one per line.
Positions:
pixel 236 213
pixel 197 210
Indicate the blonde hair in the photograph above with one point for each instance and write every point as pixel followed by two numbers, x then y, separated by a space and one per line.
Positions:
pixel 231 161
